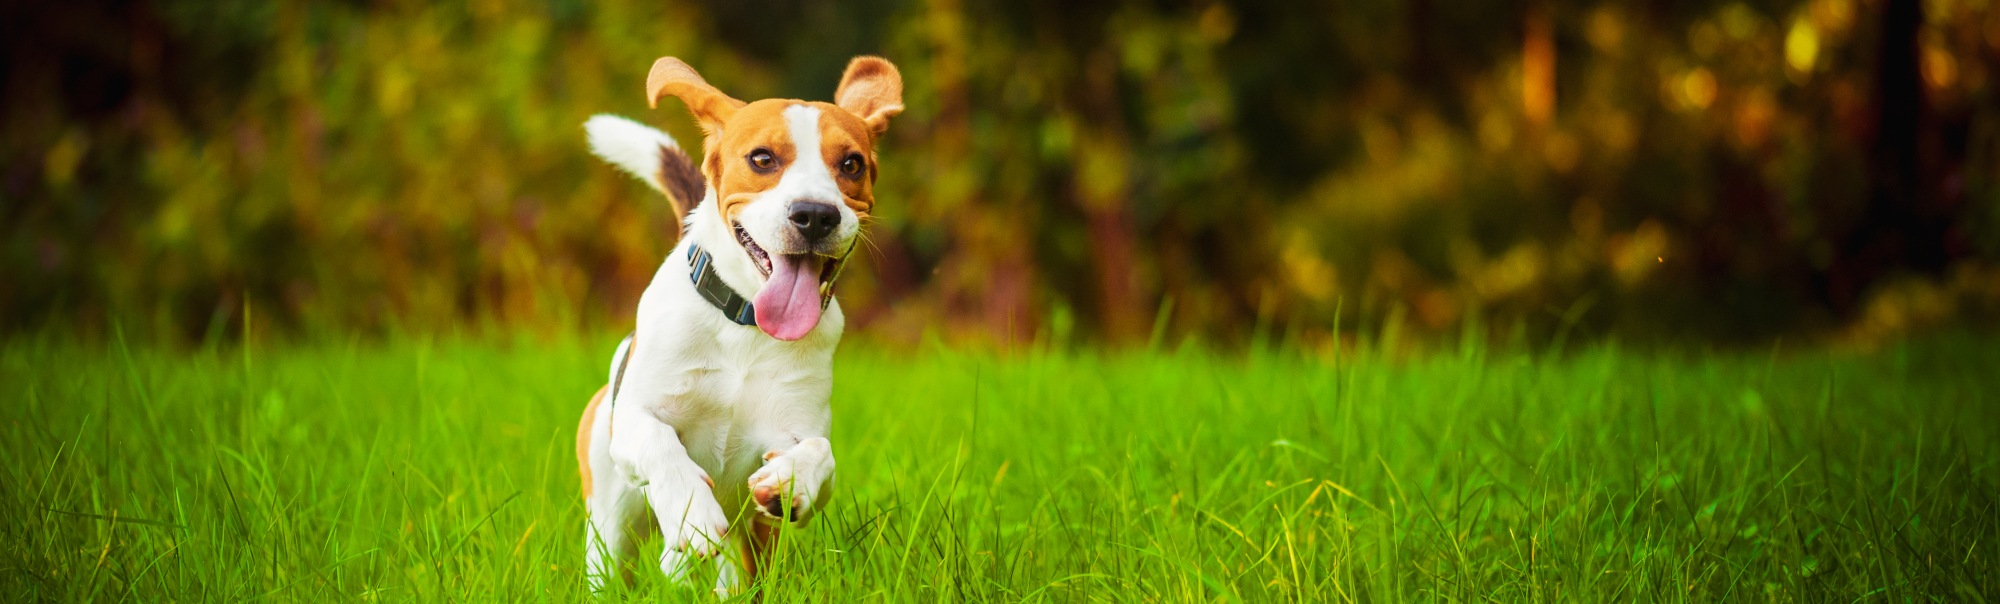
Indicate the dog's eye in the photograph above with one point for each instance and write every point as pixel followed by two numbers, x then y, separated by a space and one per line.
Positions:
pixel 762 160
pixel 852 165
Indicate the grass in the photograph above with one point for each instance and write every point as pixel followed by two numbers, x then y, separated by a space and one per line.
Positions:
pixel 443 471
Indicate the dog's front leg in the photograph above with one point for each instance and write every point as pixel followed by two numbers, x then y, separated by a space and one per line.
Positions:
pixel 804 471
pixel 679 491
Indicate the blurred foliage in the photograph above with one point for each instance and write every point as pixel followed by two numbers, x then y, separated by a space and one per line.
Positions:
pixel 1116 172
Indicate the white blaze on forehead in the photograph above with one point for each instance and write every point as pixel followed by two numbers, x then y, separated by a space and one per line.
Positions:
pixel 807 177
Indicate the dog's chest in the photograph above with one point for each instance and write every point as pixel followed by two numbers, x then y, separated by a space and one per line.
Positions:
pixel 730 409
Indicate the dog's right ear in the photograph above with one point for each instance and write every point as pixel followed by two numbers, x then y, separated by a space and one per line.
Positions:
pixel 711 107
pixel 872 90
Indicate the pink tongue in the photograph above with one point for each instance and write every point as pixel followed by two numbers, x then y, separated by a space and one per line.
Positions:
pixel 788 304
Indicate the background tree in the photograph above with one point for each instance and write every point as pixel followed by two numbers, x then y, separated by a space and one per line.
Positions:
pixel 1122 172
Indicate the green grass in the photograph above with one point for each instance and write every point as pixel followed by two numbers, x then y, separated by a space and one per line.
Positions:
pixel 444 471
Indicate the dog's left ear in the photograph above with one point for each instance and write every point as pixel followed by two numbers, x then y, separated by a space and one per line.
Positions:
pixel 872 90
pixel 672 77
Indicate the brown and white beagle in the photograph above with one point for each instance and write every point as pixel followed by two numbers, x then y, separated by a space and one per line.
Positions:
pixel 716 408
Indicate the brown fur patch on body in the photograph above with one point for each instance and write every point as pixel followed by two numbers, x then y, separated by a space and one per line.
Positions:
pixel 763 538
pixel 682 180
pixel 583 437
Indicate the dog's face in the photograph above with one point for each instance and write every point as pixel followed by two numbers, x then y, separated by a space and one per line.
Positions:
pixel 793 179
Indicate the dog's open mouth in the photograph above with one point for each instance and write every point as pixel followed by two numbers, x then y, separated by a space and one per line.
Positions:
pixel 763 259
pixel 757 254
pixel 795 285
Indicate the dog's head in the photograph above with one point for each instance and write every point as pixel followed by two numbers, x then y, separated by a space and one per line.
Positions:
pixel 794 179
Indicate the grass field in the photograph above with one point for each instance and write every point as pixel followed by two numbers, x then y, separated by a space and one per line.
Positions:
pixel 443 471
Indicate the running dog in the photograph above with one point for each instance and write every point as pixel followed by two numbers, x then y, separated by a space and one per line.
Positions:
pixel 717 404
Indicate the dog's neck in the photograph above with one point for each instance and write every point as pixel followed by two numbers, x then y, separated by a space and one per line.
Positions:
pixel 705 227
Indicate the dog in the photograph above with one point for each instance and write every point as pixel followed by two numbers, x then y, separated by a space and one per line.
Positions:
pixel 716 407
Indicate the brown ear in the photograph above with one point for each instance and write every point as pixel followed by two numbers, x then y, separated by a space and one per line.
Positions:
pixel 670 76
pixel 872 90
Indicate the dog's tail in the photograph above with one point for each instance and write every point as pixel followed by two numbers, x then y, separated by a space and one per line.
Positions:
pixel 650 155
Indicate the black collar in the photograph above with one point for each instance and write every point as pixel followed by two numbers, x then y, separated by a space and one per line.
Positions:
pixel 709 284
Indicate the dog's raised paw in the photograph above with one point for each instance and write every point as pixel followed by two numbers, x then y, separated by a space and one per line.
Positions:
pixel 770 484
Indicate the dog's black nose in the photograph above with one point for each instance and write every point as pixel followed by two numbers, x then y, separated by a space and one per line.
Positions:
pixel 814 219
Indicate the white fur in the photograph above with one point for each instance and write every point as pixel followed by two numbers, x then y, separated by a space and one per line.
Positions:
pixel 630 145
pixel 705 397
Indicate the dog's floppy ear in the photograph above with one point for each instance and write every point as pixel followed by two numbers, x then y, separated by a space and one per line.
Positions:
pixel 711 107
pixel 872 90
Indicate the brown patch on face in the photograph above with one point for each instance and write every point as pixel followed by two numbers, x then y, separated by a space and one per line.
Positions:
pixel 583 437
pixel 761 126
pixel 843 135
pixel 758 126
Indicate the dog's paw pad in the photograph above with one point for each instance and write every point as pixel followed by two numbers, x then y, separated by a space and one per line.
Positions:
pixel 769 485
pixel 772 504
